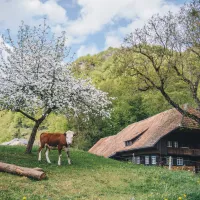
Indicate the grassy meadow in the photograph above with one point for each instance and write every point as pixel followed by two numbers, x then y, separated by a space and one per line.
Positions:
pixel 93 178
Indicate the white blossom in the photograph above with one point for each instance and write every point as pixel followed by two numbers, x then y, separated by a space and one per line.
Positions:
pixel 36 75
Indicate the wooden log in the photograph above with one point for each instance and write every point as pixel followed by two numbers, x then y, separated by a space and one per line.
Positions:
pixel 35 173
pixel 38 169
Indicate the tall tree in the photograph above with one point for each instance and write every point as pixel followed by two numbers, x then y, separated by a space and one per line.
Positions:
pixel 35 79
pixel 165 50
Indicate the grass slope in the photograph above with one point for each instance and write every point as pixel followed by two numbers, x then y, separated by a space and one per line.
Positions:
pixel 93 178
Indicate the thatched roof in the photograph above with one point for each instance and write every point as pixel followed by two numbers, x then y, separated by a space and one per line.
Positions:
pixel 146 132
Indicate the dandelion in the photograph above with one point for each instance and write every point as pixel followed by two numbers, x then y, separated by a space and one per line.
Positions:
pixel 165 199
pixel 24 198
pixel 185 195
pixel 180 198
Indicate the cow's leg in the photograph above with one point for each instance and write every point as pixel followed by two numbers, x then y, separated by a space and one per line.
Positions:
pixel 40 152
pixel 67 153
pixel 60 154
pixel 47 154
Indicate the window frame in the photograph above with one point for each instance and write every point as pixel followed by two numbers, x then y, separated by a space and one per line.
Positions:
pixel 146 160
pixel 179 161
pixel 128 143
pixel 138 160
pixel 176 144
pixel 169 143
pixel 153 158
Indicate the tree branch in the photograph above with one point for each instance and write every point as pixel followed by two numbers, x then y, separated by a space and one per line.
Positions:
pixel 26 115
pixel 182 111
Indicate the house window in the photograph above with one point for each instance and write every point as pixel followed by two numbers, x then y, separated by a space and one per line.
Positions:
pixel 138 160
pixel 179 161
pixel 176 144
pixel 169 143
pixel 128 143
pixel 153 160
pixel 146 160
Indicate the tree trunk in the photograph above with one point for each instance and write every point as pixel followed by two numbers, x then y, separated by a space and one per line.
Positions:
pixel 35 173
pixel 32 137
pixel 34 131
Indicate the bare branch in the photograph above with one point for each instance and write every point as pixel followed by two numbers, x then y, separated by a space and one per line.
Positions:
pixel 25 114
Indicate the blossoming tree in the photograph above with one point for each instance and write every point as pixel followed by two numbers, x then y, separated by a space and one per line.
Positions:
pixel 36 78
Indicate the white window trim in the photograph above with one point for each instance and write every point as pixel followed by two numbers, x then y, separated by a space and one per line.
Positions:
pixel 179 161
pixel 153 160
pixel 175 144
pixel 137 160
pixel 146 160
pixel 128 143
pixel 169 143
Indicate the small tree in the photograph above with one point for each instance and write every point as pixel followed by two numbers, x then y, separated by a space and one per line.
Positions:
pixel 165 50
pixel 35 79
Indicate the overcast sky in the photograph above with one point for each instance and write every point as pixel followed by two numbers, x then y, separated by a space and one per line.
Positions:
pixel 91 25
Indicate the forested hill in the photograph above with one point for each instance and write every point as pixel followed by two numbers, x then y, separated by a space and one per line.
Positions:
pixel 107 74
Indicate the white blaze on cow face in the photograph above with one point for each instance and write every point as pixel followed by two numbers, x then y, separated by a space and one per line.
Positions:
pixel 69 137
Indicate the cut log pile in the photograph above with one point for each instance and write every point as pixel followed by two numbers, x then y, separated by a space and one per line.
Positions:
pixel 36 173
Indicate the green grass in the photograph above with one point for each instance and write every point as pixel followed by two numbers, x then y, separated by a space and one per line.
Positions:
pixel 93 178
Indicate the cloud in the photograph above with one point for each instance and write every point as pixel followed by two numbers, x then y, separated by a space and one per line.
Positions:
pixel 85 50
pixel 94 16
pixel 112 40
pixel 30 11
pixel 142 14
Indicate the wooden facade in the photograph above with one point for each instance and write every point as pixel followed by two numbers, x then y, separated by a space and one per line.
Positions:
pixel 182 144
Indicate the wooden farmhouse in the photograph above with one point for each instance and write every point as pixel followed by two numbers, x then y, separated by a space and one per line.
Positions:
pixel 153 140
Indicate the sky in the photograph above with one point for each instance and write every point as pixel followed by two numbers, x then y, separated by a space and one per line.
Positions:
pixel 91 25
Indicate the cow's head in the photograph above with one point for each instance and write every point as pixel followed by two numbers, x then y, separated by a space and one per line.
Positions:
pixel 69 137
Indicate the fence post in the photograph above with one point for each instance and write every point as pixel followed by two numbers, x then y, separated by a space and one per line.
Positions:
pixel 133 158
pixel 170 163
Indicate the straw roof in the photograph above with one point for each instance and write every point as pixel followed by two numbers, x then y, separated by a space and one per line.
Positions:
pixel 145 133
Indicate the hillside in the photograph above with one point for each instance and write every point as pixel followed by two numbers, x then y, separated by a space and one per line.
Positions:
pixel 91 178
pixel 109 75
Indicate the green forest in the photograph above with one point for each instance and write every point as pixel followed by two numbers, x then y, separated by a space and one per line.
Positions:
pixel 130 105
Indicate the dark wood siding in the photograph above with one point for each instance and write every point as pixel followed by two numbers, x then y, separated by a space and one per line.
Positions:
pixel 162 146
pixel 188 148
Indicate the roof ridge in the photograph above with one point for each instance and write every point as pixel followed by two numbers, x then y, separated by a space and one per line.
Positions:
pixel 154 115
pixel 147 119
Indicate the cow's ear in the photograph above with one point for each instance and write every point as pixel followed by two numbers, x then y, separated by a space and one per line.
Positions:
pixel 64 134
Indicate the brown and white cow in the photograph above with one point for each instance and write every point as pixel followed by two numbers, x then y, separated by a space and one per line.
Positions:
pixel 59 140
